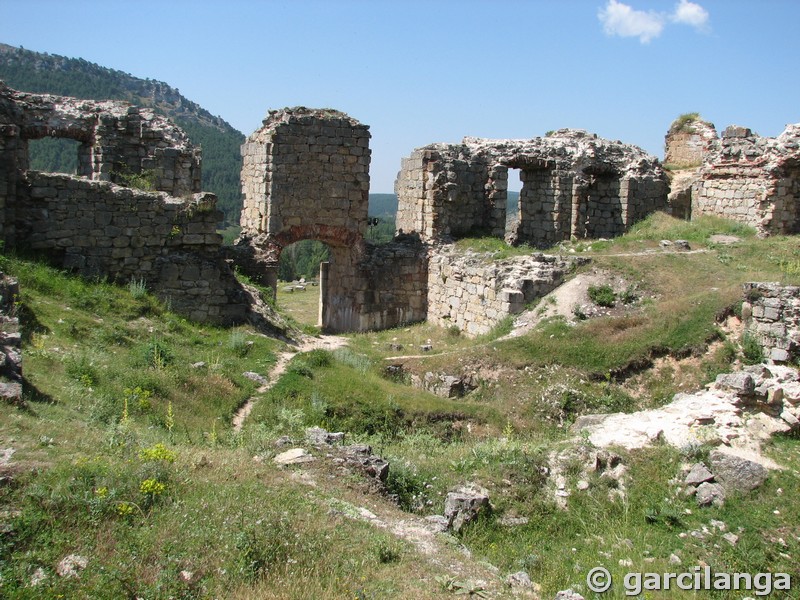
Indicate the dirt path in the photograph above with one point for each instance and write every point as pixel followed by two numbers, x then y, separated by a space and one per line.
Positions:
pixel 323 342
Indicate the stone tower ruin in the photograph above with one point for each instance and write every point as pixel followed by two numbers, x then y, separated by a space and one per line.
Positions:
pixel 305 176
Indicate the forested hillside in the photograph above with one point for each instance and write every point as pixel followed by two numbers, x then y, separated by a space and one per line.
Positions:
pixel 45 73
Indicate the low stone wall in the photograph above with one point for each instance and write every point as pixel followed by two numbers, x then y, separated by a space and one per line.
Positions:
pixel 392 290
pixel 101 229
pixel 10 342
pixel 772 313
pixel 474 293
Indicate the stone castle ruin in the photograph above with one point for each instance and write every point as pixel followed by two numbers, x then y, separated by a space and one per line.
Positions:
pixel 305 176
pixel 741 176
pixel 90 224
pixel 574 184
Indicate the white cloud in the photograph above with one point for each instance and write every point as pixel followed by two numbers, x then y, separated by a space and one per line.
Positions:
pixel 625 21
pixel 689 13
pixel 622 20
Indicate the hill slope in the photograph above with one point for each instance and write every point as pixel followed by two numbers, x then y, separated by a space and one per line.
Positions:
pixel 46 73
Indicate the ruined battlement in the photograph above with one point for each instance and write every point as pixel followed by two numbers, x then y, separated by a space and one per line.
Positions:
pixel 752 179
pixel 573 184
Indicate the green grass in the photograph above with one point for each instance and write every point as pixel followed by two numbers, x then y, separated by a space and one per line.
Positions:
pixel 125 454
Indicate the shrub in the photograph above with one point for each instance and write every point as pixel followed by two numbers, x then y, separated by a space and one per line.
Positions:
pixel 602 295
pixel 157 354
pixel 752 353
pixel 137 288
pixel 238 343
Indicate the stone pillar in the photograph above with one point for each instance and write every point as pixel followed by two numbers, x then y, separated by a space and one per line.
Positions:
pixel 324 269
pixel 270 279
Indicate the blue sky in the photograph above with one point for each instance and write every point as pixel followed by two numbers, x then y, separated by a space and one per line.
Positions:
pixel 435 71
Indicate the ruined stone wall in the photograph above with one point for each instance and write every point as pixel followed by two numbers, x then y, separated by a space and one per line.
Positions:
pixel 771 313
pixel 392 287
pixel 117 140
pixel 101 229
pixel 574 184
pixel 475 292
pixel 306 170
pixel 305 175
pixel 10 342
pixel 753 180
pixel 89 225
pixel 687 143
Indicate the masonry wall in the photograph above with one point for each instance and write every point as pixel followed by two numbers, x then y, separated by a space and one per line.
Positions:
pixel 101 229
pixel 474 292
pixel 392 289
pixel 306 168
pixel 689 145
pixel 574 184
pixel 753 180
pixel 771 313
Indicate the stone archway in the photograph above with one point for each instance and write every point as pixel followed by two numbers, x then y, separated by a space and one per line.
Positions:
pixel 305 176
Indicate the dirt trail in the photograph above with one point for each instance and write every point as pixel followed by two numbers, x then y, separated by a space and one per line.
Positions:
pixel 323 342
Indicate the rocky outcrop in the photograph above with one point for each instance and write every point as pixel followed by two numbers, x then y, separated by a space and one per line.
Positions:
pixel 739 411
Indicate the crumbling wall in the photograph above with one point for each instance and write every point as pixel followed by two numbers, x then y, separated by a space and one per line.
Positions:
pixel 771 313
pixel 574 184
pixel 752 179
pixel 474 292
pixel 100 229
pixel 88 224
pixel 305 175
pixel 10 342
pixel 688 142
pixel 392 285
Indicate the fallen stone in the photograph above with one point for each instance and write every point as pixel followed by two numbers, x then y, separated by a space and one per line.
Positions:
pixel 731 538
pixel 520 579
pixel 698 474
pixel 568 595
pixel 722 239
pixel 736 474
pixel 320 437
pixel 259 379
pixel 464 504
pixel 740 383
pixel 39 576
pixel 439 522
pixel 71 566
pixel 710 493
pixel 779 355
pixel 295 456
pixel 11 393
pixel 681 245
pixel 790 418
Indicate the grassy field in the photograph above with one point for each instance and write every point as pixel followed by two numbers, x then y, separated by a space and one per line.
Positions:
pixel 124 453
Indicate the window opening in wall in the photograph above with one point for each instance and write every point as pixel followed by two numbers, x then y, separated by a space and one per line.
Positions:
pixel 299 280
pixel 54 155
pixel 382 218
pixel 512 202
